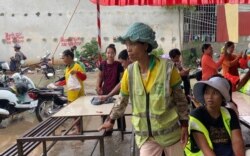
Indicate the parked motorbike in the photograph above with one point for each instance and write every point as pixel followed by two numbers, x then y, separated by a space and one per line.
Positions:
pixel 13 93
pixel 4 66
pixel 197 73
pixel 47 68
pixel 50 100
pixel 89 66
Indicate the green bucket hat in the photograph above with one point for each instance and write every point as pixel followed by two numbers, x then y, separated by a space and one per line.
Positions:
pixel 139 32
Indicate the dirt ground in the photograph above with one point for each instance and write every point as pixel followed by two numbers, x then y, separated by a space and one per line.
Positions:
pixel 114 146
pixel 19 124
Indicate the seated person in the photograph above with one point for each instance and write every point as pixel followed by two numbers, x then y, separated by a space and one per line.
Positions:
pixel 175 55
pixel 214 129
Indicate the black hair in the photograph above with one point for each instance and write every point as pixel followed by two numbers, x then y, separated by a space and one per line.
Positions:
pixel 112 46
pixel 174 52
pixel 73 48
pixel 205 46
pixel 68 52
pixel 150 48
pixel 123 54
pixel 227 45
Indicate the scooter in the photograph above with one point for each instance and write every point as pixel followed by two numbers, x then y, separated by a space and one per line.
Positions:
pixel 197 73
pixel 47 68
pixel 13 93
pixel 50 100
pixel 89 66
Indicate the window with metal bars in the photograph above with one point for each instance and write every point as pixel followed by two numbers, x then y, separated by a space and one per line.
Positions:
pixel 200 24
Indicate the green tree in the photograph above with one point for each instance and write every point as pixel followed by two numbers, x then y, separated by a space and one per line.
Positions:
pixel 89 50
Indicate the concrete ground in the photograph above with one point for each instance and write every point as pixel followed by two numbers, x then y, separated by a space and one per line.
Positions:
pixel 114 146
pixel 17 125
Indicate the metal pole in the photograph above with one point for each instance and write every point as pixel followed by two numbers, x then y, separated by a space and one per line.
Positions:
pixel 99 32
pixel 99 25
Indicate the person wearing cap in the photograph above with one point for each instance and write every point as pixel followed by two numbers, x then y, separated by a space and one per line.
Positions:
pixel 160 109
pixel 19 56
pixel 214 129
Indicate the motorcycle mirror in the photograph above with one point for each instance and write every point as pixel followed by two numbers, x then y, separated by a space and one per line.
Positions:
pixel 50 74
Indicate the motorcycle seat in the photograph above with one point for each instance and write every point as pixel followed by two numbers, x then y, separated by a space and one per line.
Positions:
pixel 51 91
pixel 8 89
pixel 61 100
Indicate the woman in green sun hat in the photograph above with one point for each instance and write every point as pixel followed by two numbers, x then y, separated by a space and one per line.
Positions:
pixel 160 108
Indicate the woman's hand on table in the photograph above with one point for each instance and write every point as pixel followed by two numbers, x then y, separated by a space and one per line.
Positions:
pixel 107 125
pixel 103 97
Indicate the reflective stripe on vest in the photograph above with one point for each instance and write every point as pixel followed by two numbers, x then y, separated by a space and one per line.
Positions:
pixel 195 124
pixel 159 132
pixel 162 117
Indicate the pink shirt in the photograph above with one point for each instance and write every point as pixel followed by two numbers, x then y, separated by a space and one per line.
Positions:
pixel 209 66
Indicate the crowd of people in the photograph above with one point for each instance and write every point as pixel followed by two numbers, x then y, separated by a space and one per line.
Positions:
pixel 161 117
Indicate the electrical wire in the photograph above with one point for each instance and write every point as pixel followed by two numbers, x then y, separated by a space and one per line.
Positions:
pixel 65 30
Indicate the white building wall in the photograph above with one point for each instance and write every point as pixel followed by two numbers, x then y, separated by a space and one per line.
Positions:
pixel 37 34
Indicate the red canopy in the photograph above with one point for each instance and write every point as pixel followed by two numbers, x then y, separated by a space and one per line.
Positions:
pixel 167 2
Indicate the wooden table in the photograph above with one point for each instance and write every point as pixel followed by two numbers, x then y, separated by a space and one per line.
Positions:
pixel 45 131
pixel 243 103
pixel 83 107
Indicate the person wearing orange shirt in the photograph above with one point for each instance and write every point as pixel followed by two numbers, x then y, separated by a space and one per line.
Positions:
pixel 231 64
pixel 209 66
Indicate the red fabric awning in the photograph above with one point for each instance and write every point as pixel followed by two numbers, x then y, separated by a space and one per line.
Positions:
pixel 167 2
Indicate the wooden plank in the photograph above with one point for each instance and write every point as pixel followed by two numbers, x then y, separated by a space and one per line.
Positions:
pixel 243 103
pixel 83 107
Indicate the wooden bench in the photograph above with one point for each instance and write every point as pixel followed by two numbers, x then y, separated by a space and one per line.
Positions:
pixel 45 131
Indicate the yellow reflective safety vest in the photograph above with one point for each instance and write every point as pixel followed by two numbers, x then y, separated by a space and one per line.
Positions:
pixel 154 113
pixel 195 124
pixel 246 88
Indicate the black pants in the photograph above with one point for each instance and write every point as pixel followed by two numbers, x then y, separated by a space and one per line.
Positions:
pixel 187 86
